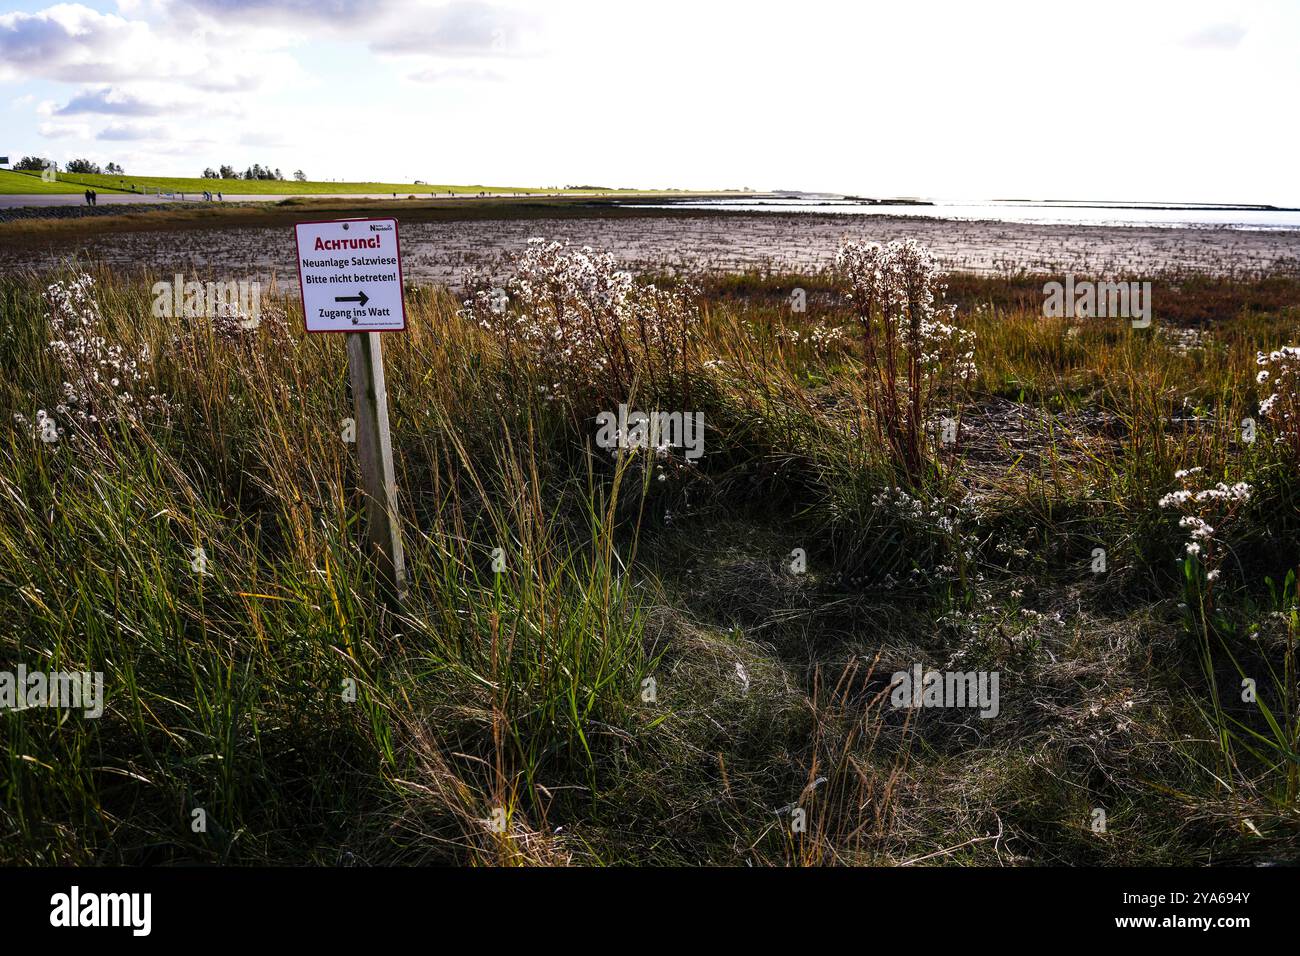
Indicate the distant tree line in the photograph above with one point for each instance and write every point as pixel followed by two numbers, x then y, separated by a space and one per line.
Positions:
pixel 38 163
pixel 256 171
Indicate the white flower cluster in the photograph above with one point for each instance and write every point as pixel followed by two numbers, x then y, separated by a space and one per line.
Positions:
pixel 1238 492
pixel 1182 341
pixel 935 517
pixel 585 321
pixel 98 377
pixel 824 337
pixel 233 324
pixel 900 503
pixel 1221 500
pixel 899 282
pixel 1281 368
pixel 1200 531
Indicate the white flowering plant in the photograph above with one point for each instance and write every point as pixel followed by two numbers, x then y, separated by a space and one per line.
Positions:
pixel 913 345
pixel 1205 514
pixel 1280 371
pixel 586 327
pixel 101 383
pixel 887 535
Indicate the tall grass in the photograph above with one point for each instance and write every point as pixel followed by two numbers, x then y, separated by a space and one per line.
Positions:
pixel 230 685
pixel 510 714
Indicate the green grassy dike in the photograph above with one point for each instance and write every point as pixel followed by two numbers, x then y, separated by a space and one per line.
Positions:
pixel 25 182
pixel 31 184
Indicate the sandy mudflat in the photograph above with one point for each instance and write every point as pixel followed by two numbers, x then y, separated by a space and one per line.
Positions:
pixel 441 251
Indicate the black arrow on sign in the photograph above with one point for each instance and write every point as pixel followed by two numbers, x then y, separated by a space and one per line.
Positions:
pixel 359 297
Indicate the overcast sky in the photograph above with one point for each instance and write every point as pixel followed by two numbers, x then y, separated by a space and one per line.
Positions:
pixel 1192 101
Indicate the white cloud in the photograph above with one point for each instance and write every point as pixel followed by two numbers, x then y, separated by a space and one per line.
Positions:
pixel 127 132
pixel 75 44
pixel 462 28
pixel 456 74
pixel 457 28
pixel 109 100
pixel 1218 36
pixel 64 130
pixel 269 139
pixel 70 42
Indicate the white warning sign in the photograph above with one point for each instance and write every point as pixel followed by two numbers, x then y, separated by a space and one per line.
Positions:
pixel 350 273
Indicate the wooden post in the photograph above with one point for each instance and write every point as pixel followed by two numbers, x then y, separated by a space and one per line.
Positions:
pixel 374 447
